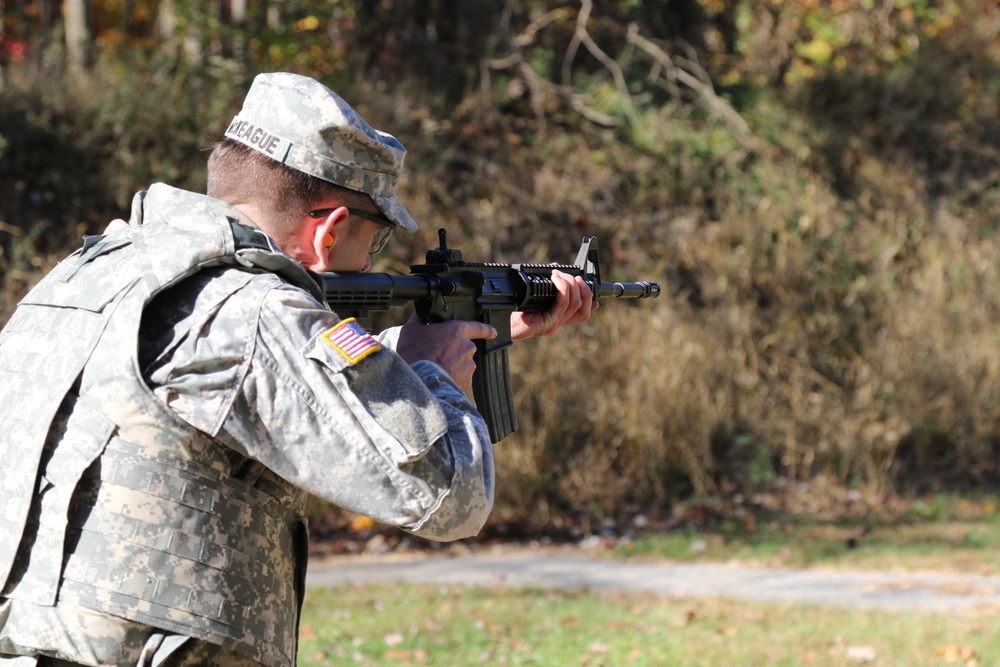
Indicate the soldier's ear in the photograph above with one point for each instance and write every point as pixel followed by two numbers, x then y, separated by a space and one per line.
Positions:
pixel 325 232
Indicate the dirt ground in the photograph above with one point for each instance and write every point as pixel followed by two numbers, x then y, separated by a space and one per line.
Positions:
pixel 574 567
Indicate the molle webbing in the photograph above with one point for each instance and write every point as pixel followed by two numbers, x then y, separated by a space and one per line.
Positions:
pixel 171 539
pixel 40 358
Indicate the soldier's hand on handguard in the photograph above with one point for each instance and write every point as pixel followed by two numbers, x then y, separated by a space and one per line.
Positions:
pixel 574 304
pixel 448 344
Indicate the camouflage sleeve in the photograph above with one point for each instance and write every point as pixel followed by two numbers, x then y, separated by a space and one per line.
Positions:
pixel 335 412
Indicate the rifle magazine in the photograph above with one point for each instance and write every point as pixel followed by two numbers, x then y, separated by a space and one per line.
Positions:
pixel 492 392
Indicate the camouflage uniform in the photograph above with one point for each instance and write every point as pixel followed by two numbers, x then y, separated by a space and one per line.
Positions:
pixel 171 393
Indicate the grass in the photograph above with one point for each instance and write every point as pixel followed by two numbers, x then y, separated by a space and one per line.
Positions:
pixel 405 624
pixel 410 624
pixel 936 533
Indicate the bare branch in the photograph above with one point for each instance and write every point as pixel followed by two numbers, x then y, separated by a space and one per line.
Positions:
pixel 681 76
pixel 583 37
pixel 698 82
pixel 535 84
pixel 538 87
pixel 528 34
pixel 574 44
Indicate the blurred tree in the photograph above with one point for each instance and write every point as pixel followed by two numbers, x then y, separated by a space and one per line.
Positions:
pixel 2 45
pixel 126 22
pixel 77 36
pixel 166 19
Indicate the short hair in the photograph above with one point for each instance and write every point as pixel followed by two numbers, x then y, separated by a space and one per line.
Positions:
pixel 238 174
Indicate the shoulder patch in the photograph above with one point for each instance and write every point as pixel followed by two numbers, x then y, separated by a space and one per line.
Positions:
pixel 351 340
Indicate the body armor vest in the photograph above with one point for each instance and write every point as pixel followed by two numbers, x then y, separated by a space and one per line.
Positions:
pixel 111 501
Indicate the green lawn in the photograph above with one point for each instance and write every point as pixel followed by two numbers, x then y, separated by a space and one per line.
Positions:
pixel 940 533
pixel 453 625
pixel 408 624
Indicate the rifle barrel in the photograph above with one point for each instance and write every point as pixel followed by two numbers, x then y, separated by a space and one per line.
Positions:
pixel 639 290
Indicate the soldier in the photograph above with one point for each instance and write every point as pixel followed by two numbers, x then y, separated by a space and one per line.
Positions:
pixel 170 394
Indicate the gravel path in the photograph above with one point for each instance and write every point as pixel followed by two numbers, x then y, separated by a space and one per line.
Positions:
pixel 575 569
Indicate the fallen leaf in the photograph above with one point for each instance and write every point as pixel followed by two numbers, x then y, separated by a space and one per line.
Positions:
pixel 861 654
pixel 360 524
pixel 954 653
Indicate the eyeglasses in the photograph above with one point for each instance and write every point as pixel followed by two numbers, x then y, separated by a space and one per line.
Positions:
pixel 381 236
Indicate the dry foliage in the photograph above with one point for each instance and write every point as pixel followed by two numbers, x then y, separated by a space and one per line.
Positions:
pixel 824 226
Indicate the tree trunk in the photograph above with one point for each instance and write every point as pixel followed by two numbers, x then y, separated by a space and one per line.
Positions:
pixel 166 19
pixel 127 22
pixel 77 36
pixel 239 11
pixel 238 17
pixel 273 14
pixel 1 42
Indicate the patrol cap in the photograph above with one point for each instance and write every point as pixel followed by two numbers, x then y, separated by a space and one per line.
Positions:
pixel 303 124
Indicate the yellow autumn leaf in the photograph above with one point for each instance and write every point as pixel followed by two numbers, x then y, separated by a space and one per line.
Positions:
pixel 360 524
pixel 954 653
pixel 818 51
pixel 306 24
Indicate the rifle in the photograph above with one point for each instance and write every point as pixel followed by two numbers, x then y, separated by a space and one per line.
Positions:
pixel 450 288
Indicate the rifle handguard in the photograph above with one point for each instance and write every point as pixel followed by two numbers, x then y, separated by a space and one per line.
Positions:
pixel 449 288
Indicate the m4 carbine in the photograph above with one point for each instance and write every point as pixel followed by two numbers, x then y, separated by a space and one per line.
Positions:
pixel 450 288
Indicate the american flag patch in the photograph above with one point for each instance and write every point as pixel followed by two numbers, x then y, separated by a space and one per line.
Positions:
pixel 351 340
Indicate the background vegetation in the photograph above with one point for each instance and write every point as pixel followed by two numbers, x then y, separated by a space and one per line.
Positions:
pixel 815 184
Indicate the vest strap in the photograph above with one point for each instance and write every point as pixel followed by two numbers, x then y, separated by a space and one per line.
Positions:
pixel 248 238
